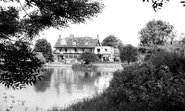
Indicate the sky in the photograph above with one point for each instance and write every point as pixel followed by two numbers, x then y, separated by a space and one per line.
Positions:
pixel 124 19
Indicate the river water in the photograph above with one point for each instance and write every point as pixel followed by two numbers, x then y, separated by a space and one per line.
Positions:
pixel 61 87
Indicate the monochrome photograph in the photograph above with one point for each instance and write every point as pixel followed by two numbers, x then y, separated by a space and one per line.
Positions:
pixel 92 55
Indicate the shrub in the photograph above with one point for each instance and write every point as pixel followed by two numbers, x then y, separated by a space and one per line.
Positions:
pixel 159 85
pixel 174 61
pixel 88 57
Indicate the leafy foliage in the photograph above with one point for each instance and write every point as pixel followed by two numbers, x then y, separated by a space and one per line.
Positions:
pixel 112 41
pixel 41 57
pixel 174 61
pixel 157 4
pixel 128 53
pixel 88 57
pixel 48 13
pixel 43 46
pixel 19 64
pixel 156 86
pixel 152 86
pixel 156 32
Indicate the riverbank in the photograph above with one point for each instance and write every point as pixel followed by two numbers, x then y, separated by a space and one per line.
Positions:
pixel 57 64
pixel 95 103
pixel 108 66
pixel 100 66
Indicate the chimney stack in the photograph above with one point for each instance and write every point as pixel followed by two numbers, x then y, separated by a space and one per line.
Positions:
pixel 59 36
pixel 98 36
pixel 71 35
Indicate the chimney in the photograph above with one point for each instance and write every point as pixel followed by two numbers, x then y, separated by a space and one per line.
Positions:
pixel 98 36
pixel 59 36
pixel 71 35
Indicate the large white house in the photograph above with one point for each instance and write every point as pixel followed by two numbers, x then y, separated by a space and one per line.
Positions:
pixel 105 53
pixel 69 48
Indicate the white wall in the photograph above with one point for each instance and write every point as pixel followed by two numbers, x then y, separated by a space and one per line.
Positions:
pixel 104 50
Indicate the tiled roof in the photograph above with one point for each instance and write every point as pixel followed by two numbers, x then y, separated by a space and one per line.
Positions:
pixel 81 42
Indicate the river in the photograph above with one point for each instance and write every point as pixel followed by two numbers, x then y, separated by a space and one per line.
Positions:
pixel 61 87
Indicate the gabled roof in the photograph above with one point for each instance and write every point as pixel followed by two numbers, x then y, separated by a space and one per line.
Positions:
pixel 80 42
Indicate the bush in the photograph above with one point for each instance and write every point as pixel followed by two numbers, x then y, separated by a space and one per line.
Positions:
pixel 88 57
pixel 174 61
pixel 159 85
pixel 122 90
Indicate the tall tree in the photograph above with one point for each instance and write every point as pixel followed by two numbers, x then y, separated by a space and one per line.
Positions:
pixel 112 41
pixel 156 32
pixel 19 24
pixel 128 53
pixel 43 46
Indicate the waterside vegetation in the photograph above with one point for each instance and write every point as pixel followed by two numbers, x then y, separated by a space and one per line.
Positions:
pixel 157 83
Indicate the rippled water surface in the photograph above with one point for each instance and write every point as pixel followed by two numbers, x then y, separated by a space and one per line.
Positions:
pixel 61 87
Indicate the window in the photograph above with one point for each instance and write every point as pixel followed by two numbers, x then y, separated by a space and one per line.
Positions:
pixel 87 42
pixel 66 56
pixel 105 50
pixel 98 50
pixel 75 49
pixel 65 50
pixel 75 42
pixel 70 56
pixel 75 56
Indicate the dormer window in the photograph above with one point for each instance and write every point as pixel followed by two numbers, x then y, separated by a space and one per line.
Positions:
pixel 75 42
pixel 87 42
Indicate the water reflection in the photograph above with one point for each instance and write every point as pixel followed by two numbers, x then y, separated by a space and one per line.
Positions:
pixel 60 86
pixel 41 86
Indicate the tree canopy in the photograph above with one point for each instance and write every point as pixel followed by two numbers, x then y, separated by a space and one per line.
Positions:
pixel 46 13
pixel 88 57
pixel 112 41
pixel 43 46
pixel 156 32
pixel 20 23
pixel 19 65
pixel 128 53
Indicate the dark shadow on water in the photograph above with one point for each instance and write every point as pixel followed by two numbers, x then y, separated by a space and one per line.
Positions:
pixel 42 85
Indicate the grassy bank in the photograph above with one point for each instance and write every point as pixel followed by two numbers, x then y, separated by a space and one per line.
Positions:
pixel 96 103
pixel 99 102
